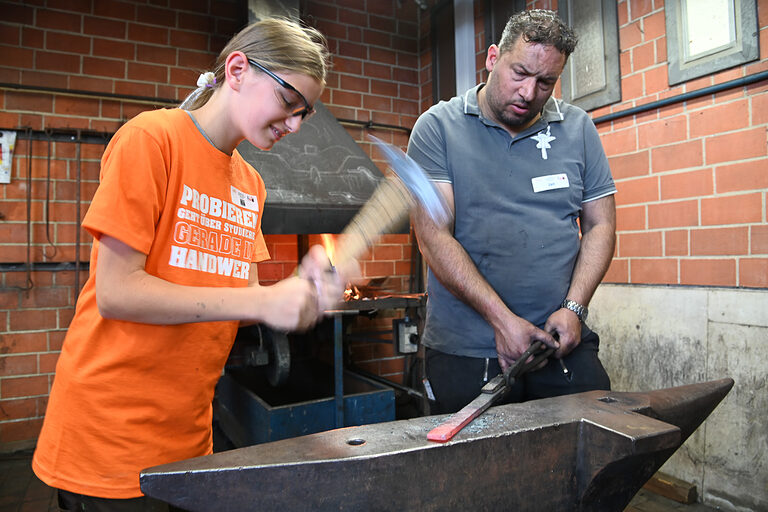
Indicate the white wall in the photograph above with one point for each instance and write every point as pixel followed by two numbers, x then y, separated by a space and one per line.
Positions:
pixel 655 337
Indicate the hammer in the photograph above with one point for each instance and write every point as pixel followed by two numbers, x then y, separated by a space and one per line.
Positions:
pixel 407 186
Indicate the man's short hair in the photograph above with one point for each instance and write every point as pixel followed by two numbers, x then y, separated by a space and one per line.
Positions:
pixel 539 26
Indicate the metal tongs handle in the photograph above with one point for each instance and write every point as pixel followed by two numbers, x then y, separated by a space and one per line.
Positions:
pixel 538 350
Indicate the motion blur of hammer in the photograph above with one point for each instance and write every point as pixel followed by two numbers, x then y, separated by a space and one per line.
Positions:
pixel 390 203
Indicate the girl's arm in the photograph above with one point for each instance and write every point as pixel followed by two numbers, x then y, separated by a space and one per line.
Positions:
pixel 125 291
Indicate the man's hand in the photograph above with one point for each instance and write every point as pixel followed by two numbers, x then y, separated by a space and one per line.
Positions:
pixel 567 325
pixel 514 336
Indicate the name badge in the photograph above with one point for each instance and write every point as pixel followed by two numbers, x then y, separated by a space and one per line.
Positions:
pixel 551 182
pixel 244 200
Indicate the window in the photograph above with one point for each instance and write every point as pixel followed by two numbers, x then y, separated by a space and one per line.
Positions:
pixel 592 77
pixel 706 36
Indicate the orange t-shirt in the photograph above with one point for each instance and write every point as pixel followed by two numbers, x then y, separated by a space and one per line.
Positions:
pixel 127 395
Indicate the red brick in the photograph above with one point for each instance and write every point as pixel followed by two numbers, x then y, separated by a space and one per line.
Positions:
pixel 188 40
pixel 759 239
pixel 669 215
pixel 57 61
pixel 720 118
pixel 708 272
pixel 720 241
pixel 17 365
pixel 739 209
pixel 159 16
pixel 18 409
pixel 147 34
pixel 656 80
pixel 643 56
pixel 351 66
pixel 736 146
pixel 18 387
pixel 114 49
pixel 348 99
pixel 676 156
pixel 742 176
pixel 382 103
pixel 115 9
pixel 32 320
pixel 76 106
pixel 630 35
pixel 378 268
pixel 759 108
pixel 654 26
pixel 662 131
pixel 147 72
pixel 58 20
pixel 377 70
pixel 753 272
pixel 384 88
pixel 20 431
pixel 630 218
pixel 631 165
pixel 639 244
pixel 618 272
pixel 70 43
pixel 639 190
pixel 43 297
pixel 676 243
pixel 47 362
pixel 653 271
pixel 387 252
pixel 619 142
pixel 104 67
pixel 687 184
pixel 661 51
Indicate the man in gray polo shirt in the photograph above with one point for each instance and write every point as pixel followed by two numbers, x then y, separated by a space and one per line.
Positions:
pixel 522 172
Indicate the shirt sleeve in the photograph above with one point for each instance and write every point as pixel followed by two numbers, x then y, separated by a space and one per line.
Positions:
pixel 132 189
pixel 598 181
pixel 427 147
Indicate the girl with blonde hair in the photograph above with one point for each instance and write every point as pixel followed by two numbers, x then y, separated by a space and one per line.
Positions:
pixel 176 222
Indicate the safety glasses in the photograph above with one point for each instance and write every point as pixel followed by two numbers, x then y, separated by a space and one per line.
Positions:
pixel 305 111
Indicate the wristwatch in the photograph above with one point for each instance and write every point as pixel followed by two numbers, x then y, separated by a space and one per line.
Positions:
pixel 581 311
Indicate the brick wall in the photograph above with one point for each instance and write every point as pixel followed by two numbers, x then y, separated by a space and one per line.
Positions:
pixel 691 177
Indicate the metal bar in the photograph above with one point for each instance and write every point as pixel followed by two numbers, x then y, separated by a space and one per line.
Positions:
pixel 387 382
pixel 90 94
pixel 42 266
pixel 712 89
pixel 338 369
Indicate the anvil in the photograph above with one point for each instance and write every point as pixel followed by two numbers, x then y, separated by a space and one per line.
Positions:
pixel 588 451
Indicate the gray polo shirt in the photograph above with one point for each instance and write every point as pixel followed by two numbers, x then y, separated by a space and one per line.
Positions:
pixel 517 204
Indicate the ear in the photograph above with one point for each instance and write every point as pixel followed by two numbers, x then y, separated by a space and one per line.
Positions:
pixel 235 68
pixel 492 57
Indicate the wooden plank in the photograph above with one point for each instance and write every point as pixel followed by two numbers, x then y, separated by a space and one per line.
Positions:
pixel 672 488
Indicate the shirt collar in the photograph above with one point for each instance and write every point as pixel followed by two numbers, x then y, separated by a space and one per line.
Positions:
pixel 552 111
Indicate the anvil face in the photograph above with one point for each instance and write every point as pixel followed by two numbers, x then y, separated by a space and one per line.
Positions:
pixel 589 451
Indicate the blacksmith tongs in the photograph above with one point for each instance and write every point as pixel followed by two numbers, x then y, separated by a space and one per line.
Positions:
pixel 495 389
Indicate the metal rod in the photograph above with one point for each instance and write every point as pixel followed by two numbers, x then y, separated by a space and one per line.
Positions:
pixel 371 124
pixel 338 370
pixel 78 182
pixel 42 266
pixel 387 382
pixel 90 94
pixel 712 89
pixel 64 135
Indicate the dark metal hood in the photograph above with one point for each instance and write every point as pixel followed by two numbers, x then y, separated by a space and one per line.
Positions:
pixel 317 179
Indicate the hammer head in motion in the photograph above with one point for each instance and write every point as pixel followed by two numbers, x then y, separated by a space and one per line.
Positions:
pixel 416 181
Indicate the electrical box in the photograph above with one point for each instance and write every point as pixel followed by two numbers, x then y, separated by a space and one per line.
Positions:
pixel 406 335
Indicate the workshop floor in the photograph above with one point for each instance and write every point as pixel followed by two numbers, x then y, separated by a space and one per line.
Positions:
pixel 21 491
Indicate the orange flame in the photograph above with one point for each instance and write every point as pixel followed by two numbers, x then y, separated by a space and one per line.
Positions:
pixel 329 244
